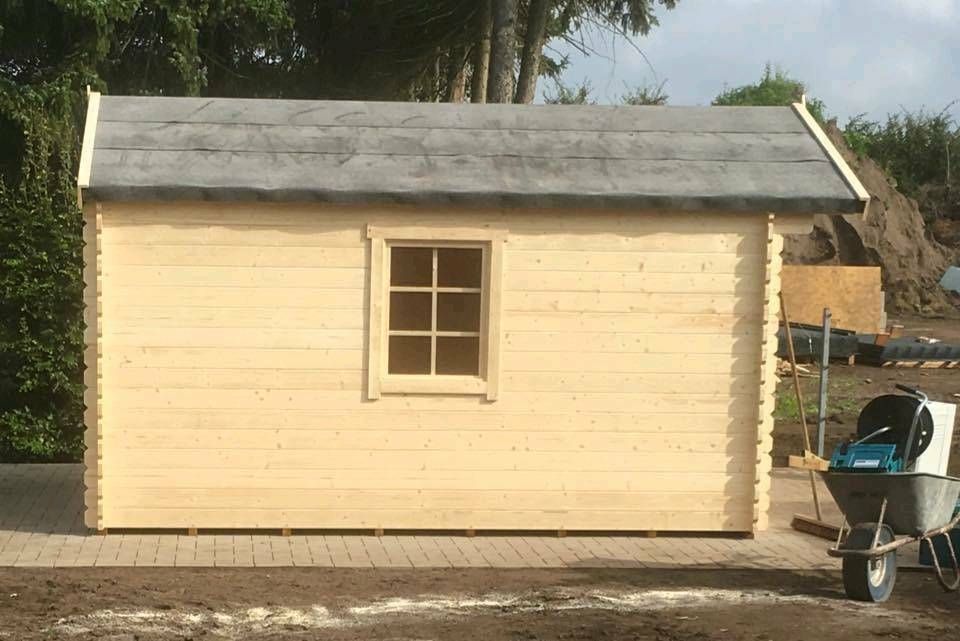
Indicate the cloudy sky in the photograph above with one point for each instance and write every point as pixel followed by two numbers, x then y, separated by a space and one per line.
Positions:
pixel 858 56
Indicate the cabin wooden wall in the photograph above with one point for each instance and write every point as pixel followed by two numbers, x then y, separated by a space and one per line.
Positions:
pixel 233 355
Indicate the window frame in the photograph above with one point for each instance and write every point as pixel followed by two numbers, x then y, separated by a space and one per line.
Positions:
pixel 382 238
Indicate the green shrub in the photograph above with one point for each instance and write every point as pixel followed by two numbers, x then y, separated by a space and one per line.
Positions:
pixel 775 89
pixel 41 326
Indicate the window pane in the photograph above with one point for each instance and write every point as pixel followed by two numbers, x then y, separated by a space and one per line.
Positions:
pixel 409 355
pixel 410 310
pixel 458 312
pixel 458 356
pixel 411 266
pixel 459 267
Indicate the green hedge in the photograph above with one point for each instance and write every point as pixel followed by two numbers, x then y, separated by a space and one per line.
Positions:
pixel 41 325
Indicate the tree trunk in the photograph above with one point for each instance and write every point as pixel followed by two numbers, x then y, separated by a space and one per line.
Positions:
pixel 532 51
pixel 481 54
pixel 456 75
pixel 502 51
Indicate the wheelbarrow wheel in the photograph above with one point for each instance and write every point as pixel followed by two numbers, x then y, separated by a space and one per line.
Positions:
pixel 869 579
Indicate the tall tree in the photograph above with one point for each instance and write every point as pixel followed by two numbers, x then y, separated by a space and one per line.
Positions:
pixel 456 80
pixel 533 41
pixel 480 74
pixel 502 51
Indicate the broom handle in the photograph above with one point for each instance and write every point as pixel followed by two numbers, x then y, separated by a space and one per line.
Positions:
pixel 803 414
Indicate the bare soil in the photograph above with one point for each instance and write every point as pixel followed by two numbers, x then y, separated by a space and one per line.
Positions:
pixel 286 604
pixel 891 235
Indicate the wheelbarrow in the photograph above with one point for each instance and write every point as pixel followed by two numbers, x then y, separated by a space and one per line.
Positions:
pixel 888 510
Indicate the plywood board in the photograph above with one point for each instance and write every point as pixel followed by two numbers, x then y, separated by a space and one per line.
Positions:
pixel 853 295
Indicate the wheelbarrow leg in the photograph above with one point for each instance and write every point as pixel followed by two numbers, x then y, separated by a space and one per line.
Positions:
pixel 949 586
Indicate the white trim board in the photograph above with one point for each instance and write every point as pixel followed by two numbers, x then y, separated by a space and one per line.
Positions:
pixel 846 172
pixel 89 134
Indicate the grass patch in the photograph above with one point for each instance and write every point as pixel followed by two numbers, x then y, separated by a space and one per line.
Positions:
pixel 842 399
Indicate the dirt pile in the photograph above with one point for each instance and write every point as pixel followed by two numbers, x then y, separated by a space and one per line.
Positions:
pixel 892 235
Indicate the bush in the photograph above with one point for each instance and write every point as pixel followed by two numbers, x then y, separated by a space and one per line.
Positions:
pixel 775 89
pixel 41 326
pixel 916 149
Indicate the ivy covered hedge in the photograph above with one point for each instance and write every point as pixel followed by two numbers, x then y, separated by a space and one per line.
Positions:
pixel 41 325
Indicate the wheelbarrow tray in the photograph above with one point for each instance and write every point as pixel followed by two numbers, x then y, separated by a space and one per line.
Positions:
pixel 917 502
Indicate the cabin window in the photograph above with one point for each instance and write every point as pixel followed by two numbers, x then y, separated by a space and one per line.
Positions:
pixel 434 312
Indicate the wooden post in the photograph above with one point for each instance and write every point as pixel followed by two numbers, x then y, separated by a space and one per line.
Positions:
pixel 803 413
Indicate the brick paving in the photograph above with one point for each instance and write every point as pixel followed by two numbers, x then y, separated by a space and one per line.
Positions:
pixel 41 525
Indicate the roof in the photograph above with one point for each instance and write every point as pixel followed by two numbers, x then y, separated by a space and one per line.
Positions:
pixel 769 159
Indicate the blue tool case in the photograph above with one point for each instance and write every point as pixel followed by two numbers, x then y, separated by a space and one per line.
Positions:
pixel 865 457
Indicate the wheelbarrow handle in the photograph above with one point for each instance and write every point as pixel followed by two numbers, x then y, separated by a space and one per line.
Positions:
pixel 908 390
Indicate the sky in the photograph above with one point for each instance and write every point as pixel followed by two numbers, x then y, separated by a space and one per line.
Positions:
pixel 859 56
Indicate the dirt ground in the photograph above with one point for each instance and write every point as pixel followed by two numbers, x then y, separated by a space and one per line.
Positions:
pixel 286 604
pixel 851 387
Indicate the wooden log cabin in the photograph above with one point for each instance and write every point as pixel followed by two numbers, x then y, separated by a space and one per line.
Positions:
pixel 310 314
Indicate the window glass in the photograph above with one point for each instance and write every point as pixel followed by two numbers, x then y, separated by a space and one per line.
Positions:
pixel 411 266
pixel 458 312
pixel 458 355
pixel 458 267
pixel 411 310
pixel 409 355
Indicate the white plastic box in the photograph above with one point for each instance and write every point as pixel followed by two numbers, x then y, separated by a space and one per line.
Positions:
pixel 936 457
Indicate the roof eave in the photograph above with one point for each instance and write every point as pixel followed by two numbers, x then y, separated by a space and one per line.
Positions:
pixel 481 199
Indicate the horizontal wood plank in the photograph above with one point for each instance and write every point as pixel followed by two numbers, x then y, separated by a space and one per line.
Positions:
pixel 230 276
pixel 627 342
pixel 631 320
pixel 336 379
pixel 376 500
pixel 373 461
pixel 450 440
pixel 633 282
pixel 119 357
pixel 517 480
pixel 125 318
pixel 514 301
pixel 376 418
pixel 210 398
pixel 139 517
pixel 570 260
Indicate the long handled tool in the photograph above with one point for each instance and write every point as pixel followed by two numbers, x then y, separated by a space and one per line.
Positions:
pixel 803 413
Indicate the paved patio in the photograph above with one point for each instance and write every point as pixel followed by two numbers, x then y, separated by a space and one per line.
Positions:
pixel 41 525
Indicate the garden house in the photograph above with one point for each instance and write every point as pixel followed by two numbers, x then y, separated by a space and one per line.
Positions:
pixel 312 314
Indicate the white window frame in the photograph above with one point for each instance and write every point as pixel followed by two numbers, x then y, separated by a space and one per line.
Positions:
pixel 491 241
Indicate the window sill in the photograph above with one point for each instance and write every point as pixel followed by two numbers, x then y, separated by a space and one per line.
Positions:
pixel 413 384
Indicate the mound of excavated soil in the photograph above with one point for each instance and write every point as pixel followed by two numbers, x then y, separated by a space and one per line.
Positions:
pixel 891 235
